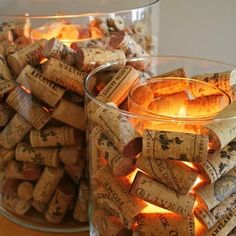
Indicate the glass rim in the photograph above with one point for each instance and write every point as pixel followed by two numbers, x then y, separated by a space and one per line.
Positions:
pixel 81 15
pixel 150 116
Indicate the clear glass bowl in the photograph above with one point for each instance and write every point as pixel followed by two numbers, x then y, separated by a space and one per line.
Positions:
pixel 144 170
pixel 24 23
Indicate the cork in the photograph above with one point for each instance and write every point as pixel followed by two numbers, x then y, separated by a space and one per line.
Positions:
pixel 6 114
pixel 119 130
pixel 39 156
pixel 119 165
pixel 113 196
pixel 117 23
pixel 40 87
pixel 57 49
pixel 31 171
pixel 14 170
pixel 64 75
pixel 117 89
pixel 60 202
pixel 147 189
pixel 5 74
pixel 25 190
pixel 6 155
pixel 214 193
pixel 29 108
pixel 22 206
pixel 223 80
pixel 178 72
pixel 6 35
pixel 105 224
pixel 175 145
pixel 9 186
pixel 69 155
pixel 6 86
pixel 210 217
pixel 219 163
pixel 53 137
pixel 176 175
pixel 224 225
pixel 233 232
pixel 39 206
pixel 87 59
pixel 80 212
pixel 9 201
pixel 77 117
pixel 47 184
pixel 31 54
pixel 164 224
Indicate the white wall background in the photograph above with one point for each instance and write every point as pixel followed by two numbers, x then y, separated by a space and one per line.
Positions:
pixel 199 28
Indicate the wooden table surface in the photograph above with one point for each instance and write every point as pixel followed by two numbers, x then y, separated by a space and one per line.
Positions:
pixel 7 228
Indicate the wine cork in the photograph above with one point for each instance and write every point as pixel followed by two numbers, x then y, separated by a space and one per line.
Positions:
pixel 87 59
pixel 6 113
pixel 219 163
pixel 28 55
pixel 233 232
pixel 60 201
pixel 39 156
pixel 160 195
pixel 39 206
pixel 29 108
pixel 77 117
pixel 223 80
pixel 224 225
pixel 118 164
pixel 214 193
pixel 9 186
pixel 165 224
pixel 114 197
pixel 22 206
pixel 117 89
pixel 105 224
pixel 204 106
pixel 175 145
pixel 178 72
pixel 80 212
pixel 47 184
pixel 53 137
pixel 9 201
pixel 210 217
pixel 116 23
pixel 25 190
pixel 69 155
pixel 176 175
pixel 6 155
pixel 55 48
pixel 31 171
pixel 64 75
pixel 6 35
pixel 119 130
pixel 5 74
pixel 40 87
pixel 14 170
pixel 76 171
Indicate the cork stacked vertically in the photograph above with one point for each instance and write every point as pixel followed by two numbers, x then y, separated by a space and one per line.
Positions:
pixel 161 147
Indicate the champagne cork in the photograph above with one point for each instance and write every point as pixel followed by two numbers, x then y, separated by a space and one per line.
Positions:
pixel 210 218
pixel 114 197
pixel 31 171
pixel 223 80
pixel 29 108
pixel 22 206
pixel 118 164
pixel 14 170
pixel 64 75
pixel 119 130
pixel 80 212
pixel 25 190
pixel 6 155
pixel 224 225
pixel 39 156
pixel 105 224
pixel 60 201
pixel 121 40
pixel 28 55
pixel 40 87
pixel 53 137
pixel 176 175
pixel 220 162
pixel 175 145
pixel 165 224
pixel 77 117
pixel 117 89
pixel 39 206
pixel 160 195
pixel 47 184
pixel 215 193
pixel 57 49
pixel 87 59
pixel 70 155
